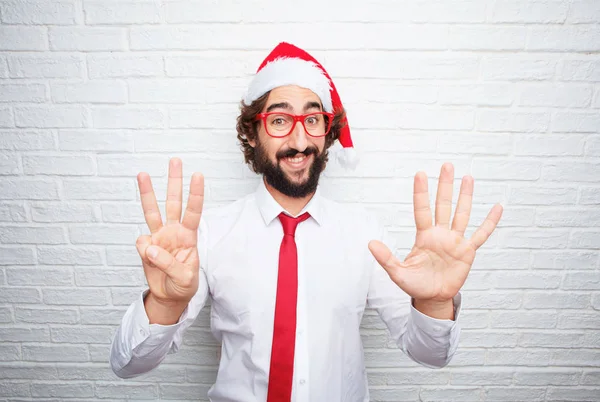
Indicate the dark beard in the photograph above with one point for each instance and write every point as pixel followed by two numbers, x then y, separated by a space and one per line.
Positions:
pixel 277 178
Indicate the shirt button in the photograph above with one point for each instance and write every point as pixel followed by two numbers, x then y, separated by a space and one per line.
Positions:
pixel 142 332
pixel 302 382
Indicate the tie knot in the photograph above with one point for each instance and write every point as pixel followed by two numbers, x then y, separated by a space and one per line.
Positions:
pixel 289 223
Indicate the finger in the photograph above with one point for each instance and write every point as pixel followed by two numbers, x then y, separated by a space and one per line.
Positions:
pixel 443 200
pixel 421 206
pixel 142 244
pixel 384 256
pixel 149 204
pixel 193 211
pixel 174 191
pixel 487 227
pixel 163 260
pixel 463 206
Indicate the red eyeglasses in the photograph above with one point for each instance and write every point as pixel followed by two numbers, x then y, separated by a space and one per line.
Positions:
pixel 278 124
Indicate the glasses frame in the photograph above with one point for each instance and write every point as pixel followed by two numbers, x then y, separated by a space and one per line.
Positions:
pixel 297 118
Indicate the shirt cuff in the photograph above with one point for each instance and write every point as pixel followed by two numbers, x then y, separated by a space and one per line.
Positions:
pixel 151 334
pixel 436 326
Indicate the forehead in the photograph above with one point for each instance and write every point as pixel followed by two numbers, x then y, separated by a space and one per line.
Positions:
pixel 296 96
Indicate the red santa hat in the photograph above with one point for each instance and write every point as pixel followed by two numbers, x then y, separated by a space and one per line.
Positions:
pixel 290 65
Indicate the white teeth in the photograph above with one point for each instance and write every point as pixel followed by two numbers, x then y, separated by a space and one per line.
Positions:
pixel 297 159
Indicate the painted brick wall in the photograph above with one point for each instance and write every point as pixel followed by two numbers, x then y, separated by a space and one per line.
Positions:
pixel 92 92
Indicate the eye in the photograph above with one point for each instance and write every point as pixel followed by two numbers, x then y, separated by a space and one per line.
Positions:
pixel 312 120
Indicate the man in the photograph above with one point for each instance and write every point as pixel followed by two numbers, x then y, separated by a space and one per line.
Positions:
pixel 288 271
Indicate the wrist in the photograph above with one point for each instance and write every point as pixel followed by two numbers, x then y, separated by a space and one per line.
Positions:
pixel 164 312
pixel 440 309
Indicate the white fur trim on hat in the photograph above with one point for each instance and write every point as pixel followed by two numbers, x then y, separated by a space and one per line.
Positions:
pixel 290 71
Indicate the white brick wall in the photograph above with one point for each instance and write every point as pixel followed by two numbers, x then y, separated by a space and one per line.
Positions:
pixel 94 91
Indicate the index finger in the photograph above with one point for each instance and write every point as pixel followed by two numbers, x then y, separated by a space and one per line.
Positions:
pixel 421 202
pixel 149 204
pixel 193 210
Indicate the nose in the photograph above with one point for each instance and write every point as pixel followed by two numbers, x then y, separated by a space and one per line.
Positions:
pixel 298 138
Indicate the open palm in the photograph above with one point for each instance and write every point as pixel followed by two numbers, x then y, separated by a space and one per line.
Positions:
pixel 172 271
pixel 441 258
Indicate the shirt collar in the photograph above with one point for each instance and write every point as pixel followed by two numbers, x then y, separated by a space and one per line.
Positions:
pixel 270 209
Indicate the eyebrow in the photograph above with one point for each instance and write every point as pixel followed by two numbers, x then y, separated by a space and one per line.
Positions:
pixel 287 106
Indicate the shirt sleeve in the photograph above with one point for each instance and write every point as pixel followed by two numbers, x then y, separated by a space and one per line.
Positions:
pixel 428 341
pixel 139 346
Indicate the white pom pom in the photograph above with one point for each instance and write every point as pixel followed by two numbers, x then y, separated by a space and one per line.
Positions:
pixel 347 157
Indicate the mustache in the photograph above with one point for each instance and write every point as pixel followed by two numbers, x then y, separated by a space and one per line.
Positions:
pixel 290 153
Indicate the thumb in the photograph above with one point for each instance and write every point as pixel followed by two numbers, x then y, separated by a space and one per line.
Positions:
pixel 383 255
pixel 162 259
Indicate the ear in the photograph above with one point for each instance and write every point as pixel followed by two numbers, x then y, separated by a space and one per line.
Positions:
pixel 252 143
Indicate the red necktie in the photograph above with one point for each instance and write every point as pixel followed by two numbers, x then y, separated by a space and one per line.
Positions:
pixel 284 327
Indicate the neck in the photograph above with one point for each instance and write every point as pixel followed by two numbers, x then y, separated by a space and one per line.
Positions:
pixel 293 205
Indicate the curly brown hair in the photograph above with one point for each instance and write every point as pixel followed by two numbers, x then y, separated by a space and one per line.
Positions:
pixel 247 128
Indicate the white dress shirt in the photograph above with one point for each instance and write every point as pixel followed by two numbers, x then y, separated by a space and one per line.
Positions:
pixel 337 278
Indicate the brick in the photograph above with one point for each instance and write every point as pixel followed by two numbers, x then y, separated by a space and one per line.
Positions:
pixel 129 391
pixel 124 296
pixel 487 37
pixel 55 353
pixel 97 316
pixel 86 38
pixel 121 12
pixel 26 140
pixel 17 38
pixel 526 280
pixel 130 166
pixel 596 302
pixel 124 65
pixel 122 256
pixel 22 93
pixel 218 116
pixel 196 91
pixel 549 145
pixel 506 169
pixel 200 375
pixel 510 394
pixel 585 240
pixel 58 165
pixel 446 11
pixel 590 378
pixel 52 212
pixel 551 340
pixel 489 94
pixel 589 280
pixel 481 377
pixel 572 393
pixel 7 118
pixel 465 394
pixel 494 300
pixel 488 338
pixel 519 319
pixel 83 297
pixel 210 141
pixel 564 259
pixel 517 357
pixel 122 213
pixel 102 189
pixel 387 394
pixel 555 300
pixel 103 234
pixel 580 70
pixel 568 96
pixel 38 66
pixel 497 120
pixel 31 235
pixel 13 213
pixel 3 67
pixel 82 335
pixel 17 256
pixel 543 239
pixel 576 122
pixel 576 320
pixel 502 259
pixel 87 371
pixel 583 12
pixel 571 38
pixel 48 390
pixel 199 357
pixel 14 389
pixel 6 315
pixel 571 171
pixel 70 255
pixel 38 12
pixel 592 145
pixel 95 91
pixel 531 12
pixel 214 64
pixel 51 116
pixel 18 295
pixel 517 68
pixel 568 218
pixel 109 277
pixel 95 140
pixel 26 334
pixel 9 164
pixel 39 276
pixel 20 371
pixel 46 315
pixel 129 117
pixel 575 357
pixel 589 195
